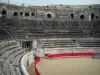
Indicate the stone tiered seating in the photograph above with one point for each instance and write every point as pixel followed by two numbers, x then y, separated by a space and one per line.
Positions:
pixel 89 43
pixel 8 53
pixel 58 43
pixel 5 68
pixel 78 42
pixel 11 53
pixel 72 45
pixel 50 28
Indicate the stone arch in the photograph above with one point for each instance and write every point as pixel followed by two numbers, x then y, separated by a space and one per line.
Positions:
pixel 92 16
pixel 72 15
pixel 90 34
pixel 49 15
pixel 27 44
pixel 27 14
pixel 97 17
pixel 90 6
pixel 82 16
pixel 32 13
pixel 21 13
pixel 4 12
pixel 15 14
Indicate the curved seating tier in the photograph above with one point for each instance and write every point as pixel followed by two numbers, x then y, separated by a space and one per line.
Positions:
pixel 10 57
pixel 65 43
pixel 70 45
pixel 19 28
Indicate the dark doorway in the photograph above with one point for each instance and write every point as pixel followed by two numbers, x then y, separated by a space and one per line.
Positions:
pixel 92 16
pixel 49 16
pixel 4 13
pixel 82 17
pixel 21 13
pixel 27 14
pixel 97 17
pixel 27 44
pixel 15 14
pixel 32 14
pixel 72 15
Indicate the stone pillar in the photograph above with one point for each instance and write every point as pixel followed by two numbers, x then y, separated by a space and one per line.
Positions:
pixel 38 48
pixel 90 17
pixel 19 43
pixel 34 47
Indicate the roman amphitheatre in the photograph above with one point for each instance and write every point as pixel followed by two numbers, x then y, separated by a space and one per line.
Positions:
pixel 49 40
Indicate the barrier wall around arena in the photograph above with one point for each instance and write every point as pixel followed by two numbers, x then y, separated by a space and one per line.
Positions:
pixel 29 58
pixel 26 60
pixel 65 53
pixel 58 55
pixel 37 61
pixel 71 52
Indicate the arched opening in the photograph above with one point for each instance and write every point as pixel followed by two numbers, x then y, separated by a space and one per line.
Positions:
pixel 27 14
pixel 27 44
pixel 82 17
pixel 49 16
pixel 15 14
pixel 68 7
pixel 21 13
pixel 74 41
pixel 72 15
pixel 97 17
pixel 32 14
pixel 4 12
pixel 90 6
pixel 90 34
pixel 92 16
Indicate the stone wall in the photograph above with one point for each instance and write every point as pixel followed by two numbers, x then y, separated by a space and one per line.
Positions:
pixel 64 21
pixel 67 12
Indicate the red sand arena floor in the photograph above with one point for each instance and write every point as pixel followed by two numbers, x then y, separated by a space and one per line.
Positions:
pixel 69 66
pixel 72 64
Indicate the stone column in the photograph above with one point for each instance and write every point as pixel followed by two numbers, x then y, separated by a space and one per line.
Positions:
pixel 38 48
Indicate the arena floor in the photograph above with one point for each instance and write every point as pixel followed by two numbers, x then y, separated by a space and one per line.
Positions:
pixel 69 66
pixel 31 70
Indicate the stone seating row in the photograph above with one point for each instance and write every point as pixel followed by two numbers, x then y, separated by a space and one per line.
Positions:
pixel 11 53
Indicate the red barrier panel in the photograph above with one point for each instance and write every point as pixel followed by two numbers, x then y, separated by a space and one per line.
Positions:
pixel 37 60
pixel 68 54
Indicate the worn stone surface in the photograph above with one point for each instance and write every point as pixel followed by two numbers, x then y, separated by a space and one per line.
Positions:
pixel 70 66
pixel 77 21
